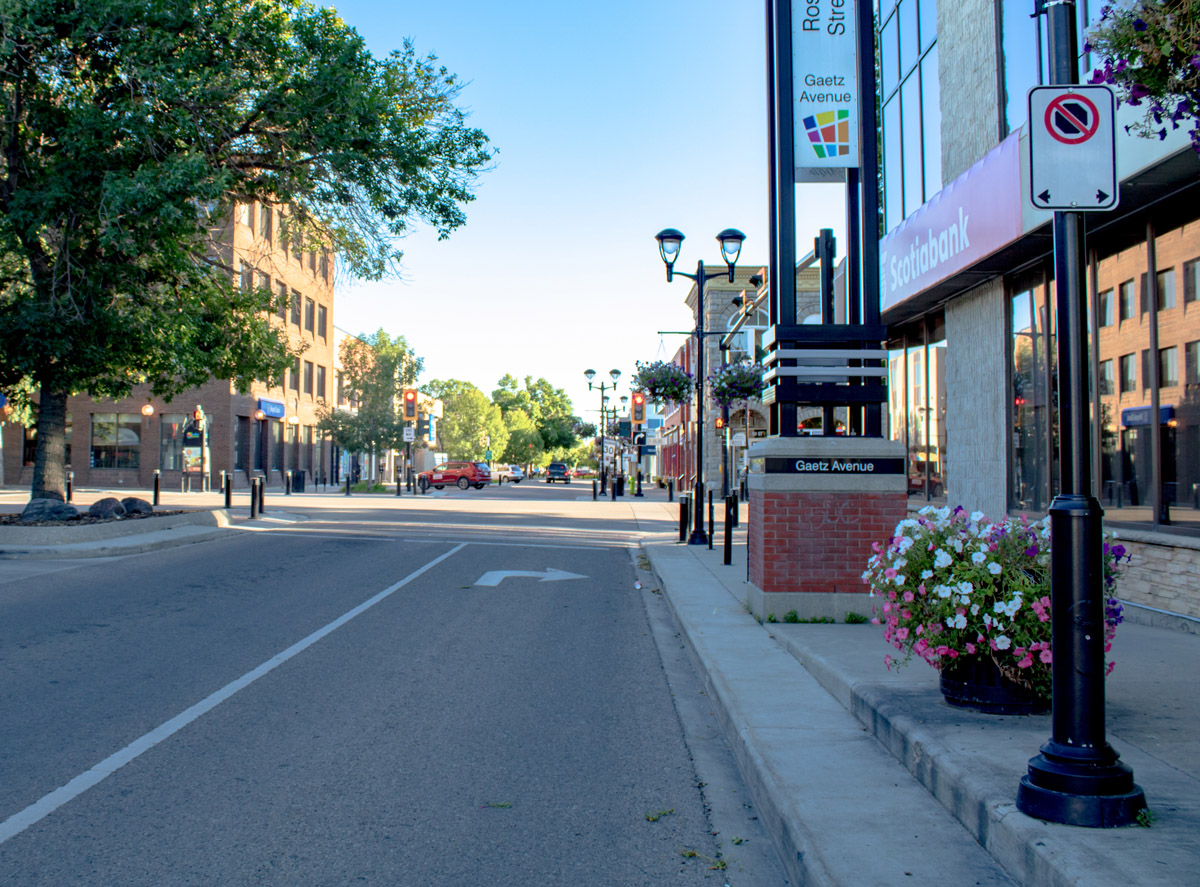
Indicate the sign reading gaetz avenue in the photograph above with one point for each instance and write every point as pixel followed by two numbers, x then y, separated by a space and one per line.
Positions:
pixel 779 465
pixel 824 85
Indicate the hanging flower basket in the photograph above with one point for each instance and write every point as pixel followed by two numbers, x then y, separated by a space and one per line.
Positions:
pixel 664 382
pixel 972 598
pixel 734 382
pixel 1150 54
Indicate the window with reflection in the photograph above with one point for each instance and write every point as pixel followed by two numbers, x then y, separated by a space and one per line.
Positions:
pixel 1033 479
pixel 917 404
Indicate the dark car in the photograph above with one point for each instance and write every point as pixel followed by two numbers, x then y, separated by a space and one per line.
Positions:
pixel 558 471
pixel 460 474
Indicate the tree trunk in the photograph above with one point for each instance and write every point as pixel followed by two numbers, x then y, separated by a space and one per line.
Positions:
pixel 49 463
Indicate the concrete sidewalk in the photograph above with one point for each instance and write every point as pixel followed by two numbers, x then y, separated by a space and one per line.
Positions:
pixel 867 777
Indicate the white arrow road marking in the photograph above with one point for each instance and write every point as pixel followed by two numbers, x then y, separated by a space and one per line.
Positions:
pixel 495 577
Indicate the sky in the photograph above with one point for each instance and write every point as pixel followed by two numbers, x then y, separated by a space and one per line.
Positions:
pixel 611 121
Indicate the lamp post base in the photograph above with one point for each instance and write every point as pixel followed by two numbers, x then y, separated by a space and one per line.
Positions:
pixel 698 537
pixel 1094 791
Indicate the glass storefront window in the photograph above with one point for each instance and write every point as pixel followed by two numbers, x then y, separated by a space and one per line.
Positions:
pixel 917 405
pixel 170 441
pixel 1033 477
pixel 116 440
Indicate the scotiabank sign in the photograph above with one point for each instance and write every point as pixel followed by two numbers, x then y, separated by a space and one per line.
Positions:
pixel 968 220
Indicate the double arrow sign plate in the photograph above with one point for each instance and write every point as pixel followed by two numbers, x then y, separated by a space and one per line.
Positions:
pixel 1072 148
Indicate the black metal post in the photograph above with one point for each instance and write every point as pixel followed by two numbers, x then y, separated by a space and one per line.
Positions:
pixel 287 483
pixel 869 191
pixel 347 483
pixel 671 490
pixel 157 479
pixel 639 494
pixel 227 481
pixel 70 485
pixel 698 536
pixel 262 495
pixel 782 174
pixel 683 517
pixel 710 520
pixel 595 492
pixel 730 523
pixel 254 498
pixel 612 489
pixel 1078 778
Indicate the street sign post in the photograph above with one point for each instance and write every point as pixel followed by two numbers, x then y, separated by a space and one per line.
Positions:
pixel 410 434
pixel 1072 148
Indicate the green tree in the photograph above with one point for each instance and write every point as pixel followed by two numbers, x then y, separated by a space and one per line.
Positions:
pixel 548 407
pixel 470 424
pixel 375 371
pixel 524 439
pixel 133 127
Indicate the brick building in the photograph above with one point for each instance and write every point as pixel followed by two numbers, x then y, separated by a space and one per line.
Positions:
pixel 119 444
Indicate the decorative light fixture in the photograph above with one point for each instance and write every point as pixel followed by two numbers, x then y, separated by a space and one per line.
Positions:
pixel 147 410
pixel 259 415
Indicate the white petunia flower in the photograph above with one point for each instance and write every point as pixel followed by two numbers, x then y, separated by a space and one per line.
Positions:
pixel 994 568
pixel 978 557
pixel 942 560
pixel 899 580
pixel 942 591
pixel 976 516
pixel 926 574
pixel 1003 643
pixel 959 621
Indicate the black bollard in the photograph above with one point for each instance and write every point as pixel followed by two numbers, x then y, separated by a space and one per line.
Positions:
pixel 227 481
pixel 737 515
pixel 399 485
pixel 262 495
pixel 157 478
pixel 70 484
pixel 639 494
pixel 594 491
pixel 287 483
pixel 347 485
pixel 710 520
pixel 730 523
pixel 254 498
pixel 671 489
pixel 683 517
pixel 612 490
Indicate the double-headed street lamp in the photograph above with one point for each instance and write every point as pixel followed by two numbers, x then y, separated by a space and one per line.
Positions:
pixel 669 242
pixel 603 386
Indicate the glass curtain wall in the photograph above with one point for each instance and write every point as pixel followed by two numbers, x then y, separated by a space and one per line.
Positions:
pixel 917 404
pixel 1130 373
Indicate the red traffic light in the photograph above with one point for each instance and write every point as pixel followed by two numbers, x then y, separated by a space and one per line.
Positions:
pixel 639 407
pixel 410 403
pixel 198 415
pixel 720 423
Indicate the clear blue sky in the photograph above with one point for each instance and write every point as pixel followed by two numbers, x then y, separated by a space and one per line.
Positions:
pixel 613 121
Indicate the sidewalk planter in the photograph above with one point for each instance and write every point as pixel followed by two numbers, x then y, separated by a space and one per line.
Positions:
pixel 975 682
pixel 970 596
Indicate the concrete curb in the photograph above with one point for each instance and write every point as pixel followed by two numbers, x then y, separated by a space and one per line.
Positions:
pixel 840 809
pixel 64 535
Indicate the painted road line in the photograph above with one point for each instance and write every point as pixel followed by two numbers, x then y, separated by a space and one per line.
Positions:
pixel 40 809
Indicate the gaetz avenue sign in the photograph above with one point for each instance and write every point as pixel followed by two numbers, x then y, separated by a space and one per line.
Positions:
pixel 779 465
pixel 824 88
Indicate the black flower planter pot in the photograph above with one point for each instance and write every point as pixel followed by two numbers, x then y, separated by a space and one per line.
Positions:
pixel 975 682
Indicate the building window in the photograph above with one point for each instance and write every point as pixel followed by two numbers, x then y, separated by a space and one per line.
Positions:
pixel 170 441
pixel 320 383
pixel 247 275
pixel 308 377
pixel 1191 362
pixel 241 443
pixel 1125 300
pixel 294 379
pixel 264 222
pixel 116 440
pixel 1145 368
pixel 912 158
pixel 276 446
pixel 1106 308
pixel 1034 475
pixel 1128 373
pixel 1106 376
pixel 1191 270
pixel 295 308
pixel 325 265
pixel 341 390
pixel 1166 289
pixel 281 297
pixel 243 214
pixel 310 311
pixel 263 281
pixel 917 392
pixel 29 447
pixel 1168 367
pixel 322 321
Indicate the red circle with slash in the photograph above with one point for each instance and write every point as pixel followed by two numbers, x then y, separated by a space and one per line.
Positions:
pixel 1072 118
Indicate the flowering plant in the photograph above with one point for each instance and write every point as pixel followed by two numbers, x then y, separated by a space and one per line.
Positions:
pixel 1151 53
pixel 663 381
pixel 956 585
pixel 737 381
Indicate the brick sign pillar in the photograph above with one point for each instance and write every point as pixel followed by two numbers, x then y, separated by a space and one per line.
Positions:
pixel 816 505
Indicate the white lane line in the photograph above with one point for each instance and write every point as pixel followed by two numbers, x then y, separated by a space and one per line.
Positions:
pixel 40 809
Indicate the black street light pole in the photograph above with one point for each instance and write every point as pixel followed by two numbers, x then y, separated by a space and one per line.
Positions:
pixel 614 375
pixel 669 242
pixel 1078 778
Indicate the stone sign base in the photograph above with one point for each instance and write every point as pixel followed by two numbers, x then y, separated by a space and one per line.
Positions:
pixel 816 506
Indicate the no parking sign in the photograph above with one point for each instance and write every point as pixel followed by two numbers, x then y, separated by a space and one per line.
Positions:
pixel 1072 148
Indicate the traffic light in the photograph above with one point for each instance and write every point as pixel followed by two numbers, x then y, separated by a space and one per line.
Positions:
pixel 423 427
pixel 639 408
pixel 410 404
pixel 198 417
pixel 720 423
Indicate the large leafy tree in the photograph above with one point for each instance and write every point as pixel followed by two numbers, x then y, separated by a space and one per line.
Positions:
pixel 471 425
pixel 132 127
pixel 549 409
pixel 375 371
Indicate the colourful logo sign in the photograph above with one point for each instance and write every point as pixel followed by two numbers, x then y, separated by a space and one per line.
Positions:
pixel 829 133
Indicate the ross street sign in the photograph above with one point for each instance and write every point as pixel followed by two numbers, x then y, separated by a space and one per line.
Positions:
pixel 1072 148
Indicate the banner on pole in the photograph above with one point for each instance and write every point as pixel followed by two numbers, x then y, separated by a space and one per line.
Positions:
pixel 825 89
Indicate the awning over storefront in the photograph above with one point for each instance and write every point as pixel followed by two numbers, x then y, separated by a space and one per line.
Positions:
pixel 272 408
pixel 1131 417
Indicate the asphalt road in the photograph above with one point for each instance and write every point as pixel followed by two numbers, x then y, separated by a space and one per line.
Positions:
pixel 375 695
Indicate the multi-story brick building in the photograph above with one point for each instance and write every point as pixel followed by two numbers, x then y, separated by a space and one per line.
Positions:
pixel 968 282
pixel 267 431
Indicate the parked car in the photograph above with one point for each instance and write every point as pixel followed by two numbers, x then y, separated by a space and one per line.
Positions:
pixel 558 471
pixel 460 474
pixel 511 473
pixel 581 471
